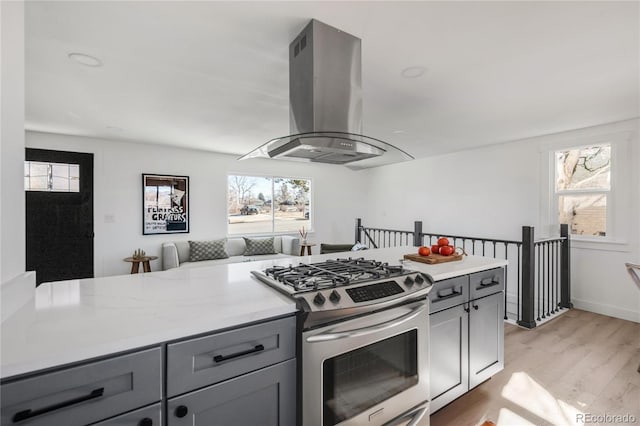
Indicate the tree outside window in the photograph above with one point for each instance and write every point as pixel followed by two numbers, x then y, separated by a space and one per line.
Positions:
pixel 258 204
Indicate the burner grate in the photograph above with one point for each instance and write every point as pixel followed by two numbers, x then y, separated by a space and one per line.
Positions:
pixel 332 273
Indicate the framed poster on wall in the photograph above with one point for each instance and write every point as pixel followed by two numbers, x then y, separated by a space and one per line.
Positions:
pixel 165 204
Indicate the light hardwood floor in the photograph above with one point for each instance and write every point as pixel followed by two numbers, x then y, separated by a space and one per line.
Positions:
pixel 578 364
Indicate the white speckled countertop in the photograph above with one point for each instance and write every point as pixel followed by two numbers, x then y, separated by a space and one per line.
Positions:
pixel 71 321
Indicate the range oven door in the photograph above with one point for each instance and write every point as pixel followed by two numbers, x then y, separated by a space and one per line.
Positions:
pixel 369 370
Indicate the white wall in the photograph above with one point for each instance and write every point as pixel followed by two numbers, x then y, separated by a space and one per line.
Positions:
pixel 118 166
pixel 493 192
pixel 12 229
pixel 466 193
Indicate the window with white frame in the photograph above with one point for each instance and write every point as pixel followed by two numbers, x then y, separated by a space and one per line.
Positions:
pixel 582 189
pixel 267 204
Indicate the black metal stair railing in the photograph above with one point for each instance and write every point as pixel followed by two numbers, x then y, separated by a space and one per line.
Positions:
pixel 538 275
pixel 381 238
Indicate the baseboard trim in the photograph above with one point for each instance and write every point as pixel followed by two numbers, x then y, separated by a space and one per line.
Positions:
pixel 609 310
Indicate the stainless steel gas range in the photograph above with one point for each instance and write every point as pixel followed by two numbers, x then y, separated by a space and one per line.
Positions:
pixel 364 340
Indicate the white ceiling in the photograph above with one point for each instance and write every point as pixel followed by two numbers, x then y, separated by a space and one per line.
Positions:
pixel 214 75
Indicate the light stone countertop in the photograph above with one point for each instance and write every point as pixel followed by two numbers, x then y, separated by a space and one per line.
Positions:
pixel 76 320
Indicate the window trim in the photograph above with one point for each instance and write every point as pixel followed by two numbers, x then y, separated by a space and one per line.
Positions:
pixel 618 212
pixel 273 177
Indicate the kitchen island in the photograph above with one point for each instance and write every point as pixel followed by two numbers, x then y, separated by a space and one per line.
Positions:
pixel 73 322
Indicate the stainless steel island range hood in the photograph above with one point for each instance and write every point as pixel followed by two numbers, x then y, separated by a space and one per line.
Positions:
pixel 325 95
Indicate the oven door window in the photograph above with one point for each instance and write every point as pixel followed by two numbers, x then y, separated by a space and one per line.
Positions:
pixel 357 380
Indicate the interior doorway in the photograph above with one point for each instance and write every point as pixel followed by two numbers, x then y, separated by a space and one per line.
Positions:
pixel 59 210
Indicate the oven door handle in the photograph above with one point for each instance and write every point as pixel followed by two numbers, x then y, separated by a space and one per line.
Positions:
pixel 325 337
pixel 414 416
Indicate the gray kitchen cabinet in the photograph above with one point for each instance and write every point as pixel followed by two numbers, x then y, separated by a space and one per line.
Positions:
pixel 265 397
pixel 243 376
pixel 449 355
pixel 86 393
pixel 466 340
pixel 486 338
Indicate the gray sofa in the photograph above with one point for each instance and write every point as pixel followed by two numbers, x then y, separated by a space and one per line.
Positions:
pixel 176 254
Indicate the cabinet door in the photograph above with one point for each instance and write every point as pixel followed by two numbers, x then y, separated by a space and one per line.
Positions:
pixel 486 338
pixel 266 397
pixel 449 351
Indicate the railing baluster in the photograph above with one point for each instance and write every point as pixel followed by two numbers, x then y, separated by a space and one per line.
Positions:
pixel 548 278
pixel 518 287
pixel 550 274
pixel 558 243
pixel 565 281
pixel 555 276
pixel 506 278
pixel 539 293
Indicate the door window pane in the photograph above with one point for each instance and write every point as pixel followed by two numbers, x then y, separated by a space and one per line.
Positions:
pixel 356 381
pixel 51 177
pixel 586 214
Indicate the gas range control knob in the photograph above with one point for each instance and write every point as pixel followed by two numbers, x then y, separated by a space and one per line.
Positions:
pixel 334 296
pixel 408 281
pixel 419 279
pixel 319 299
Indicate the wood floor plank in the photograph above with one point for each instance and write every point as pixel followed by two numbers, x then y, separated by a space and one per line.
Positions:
pixel 578 363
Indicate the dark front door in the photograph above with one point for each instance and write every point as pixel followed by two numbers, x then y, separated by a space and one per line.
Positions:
pixel 59 209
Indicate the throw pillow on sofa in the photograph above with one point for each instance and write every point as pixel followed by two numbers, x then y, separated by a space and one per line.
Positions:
pixel 259 246
pixel 207 250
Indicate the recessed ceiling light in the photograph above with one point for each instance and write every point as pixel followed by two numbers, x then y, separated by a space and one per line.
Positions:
pixel 413 72
pixel 115 128
pixel 398 131
pixel 86 60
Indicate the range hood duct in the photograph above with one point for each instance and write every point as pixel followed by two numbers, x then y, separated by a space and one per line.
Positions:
pixel 325 95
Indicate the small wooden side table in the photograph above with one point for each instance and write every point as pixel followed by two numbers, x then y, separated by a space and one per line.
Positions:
pixel 135 263
pixel 308 247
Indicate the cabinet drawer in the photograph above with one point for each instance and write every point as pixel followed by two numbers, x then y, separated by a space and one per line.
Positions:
pixel 448 293
pixel 486 282
pixel 148 416
pixel 84 394
pixel 200 362
pixel 266 397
